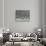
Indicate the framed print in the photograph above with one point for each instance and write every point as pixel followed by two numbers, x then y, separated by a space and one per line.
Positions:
pixel 22 15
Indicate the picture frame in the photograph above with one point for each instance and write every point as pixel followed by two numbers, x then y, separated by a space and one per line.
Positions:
pixel 22 15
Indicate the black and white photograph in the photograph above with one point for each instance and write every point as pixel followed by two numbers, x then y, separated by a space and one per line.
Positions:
pixel 22 22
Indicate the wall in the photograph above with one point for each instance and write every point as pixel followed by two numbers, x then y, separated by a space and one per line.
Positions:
pixel 35 15
pixel 1 14
pixel 44 18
